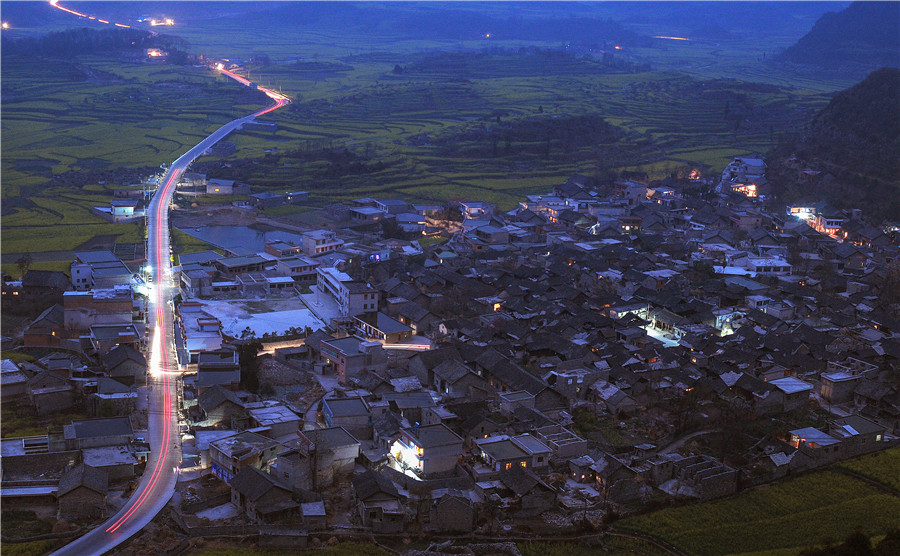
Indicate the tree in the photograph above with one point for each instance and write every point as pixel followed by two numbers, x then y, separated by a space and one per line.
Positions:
pixel 248 355
pixel 266 390
pixel 23 263
pixel 391 230
pixel 890 284
pixel 106 409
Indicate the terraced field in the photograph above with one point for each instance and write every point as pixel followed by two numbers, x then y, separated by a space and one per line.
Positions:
pixel 382 116
pixel 785 517
pixel 409 120
pixel 100 113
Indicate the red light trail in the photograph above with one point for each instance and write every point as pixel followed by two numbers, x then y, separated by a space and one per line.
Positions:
pixel 159 338
pixel 55 4
pixel 158 343
pixel 160 353
pixel 280 99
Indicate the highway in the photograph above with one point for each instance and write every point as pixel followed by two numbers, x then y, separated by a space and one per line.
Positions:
pixel 157 485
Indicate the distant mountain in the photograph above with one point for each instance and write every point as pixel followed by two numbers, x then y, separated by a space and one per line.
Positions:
pixel 854 143
pixel 866 34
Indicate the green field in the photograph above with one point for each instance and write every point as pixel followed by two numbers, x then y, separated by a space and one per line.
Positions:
pixel 882 467
pixel 783 517
pixel 454 121
pixel 58 219
pixel 64 122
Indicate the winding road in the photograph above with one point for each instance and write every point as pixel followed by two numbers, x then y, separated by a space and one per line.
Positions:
pixel 161 474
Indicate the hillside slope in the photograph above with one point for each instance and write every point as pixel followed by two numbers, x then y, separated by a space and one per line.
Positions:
pixel 855 143
pixel 865 35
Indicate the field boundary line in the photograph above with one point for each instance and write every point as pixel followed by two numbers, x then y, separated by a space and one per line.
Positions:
pixel 868 480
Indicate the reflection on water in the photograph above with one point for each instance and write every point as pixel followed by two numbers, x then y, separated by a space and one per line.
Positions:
pixel 241 237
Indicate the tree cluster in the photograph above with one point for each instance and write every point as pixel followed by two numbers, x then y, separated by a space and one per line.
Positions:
pixel 75 42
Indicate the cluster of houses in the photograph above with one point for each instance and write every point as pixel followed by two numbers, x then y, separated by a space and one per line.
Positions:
pixel 552 359
pixel 619 306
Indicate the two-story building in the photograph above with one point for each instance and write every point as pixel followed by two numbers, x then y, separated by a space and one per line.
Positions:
pixel 427 450
pixel 246 449
pixel 320 242
pixel 301 269
pixel 220 367
pixel 350 357
pixel 382 328
pixel 352 296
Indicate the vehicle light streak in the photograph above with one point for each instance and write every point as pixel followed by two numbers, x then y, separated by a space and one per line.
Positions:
pixel 280 99
pixel 159 355
pixel 55 4
pixel 671 38
pixel 162 366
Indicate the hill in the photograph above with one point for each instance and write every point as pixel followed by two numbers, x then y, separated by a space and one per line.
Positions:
pixel 854 143
pixel 865 35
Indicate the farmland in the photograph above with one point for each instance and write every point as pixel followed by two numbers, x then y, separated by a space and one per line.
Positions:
pixel 380 115
pixel 786 516
pixel 65 123
pixel 881 467
pixel 432 135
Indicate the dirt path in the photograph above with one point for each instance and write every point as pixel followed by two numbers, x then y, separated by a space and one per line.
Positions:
pixel 680 442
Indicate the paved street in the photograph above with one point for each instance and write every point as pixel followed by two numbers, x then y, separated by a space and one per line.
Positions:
pixel 160 476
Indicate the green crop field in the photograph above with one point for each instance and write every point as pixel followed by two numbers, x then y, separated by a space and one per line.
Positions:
pixel 60 118
pixel 882 467
pixel 785 516
pixel 384 116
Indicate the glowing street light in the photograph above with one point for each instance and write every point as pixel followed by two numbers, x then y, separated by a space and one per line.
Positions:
pixel 5 25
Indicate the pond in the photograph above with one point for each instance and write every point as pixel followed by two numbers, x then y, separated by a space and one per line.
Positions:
pixel 243 238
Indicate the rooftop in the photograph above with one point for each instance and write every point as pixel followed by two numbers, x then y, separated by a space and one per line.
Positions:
pixel 791 385
pixel 431 436
pixel 243 443
pixel 346 407
pixel 501 448
pixel 273 414
pixel 92 428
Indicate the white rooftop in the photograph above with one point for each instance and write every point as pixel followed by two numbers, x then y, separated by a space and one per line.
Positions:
pixel 791 385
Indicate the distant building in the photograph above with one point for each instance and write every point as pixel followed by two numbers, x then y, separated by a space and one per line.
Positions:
pixel 98 269
pixel 383 328
pixel 267 199
pixel 296 197
pixel 353 297
pixel 301 269
pixel 366 215
pixel 350 356
pixel 320 242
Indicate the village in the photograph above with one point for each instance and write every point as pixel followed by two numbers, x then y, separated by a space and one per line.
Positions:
pixel 453 369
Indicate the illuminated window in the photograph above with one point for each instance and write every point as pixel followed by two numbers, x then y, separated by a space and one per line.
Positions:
pixel 508 466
